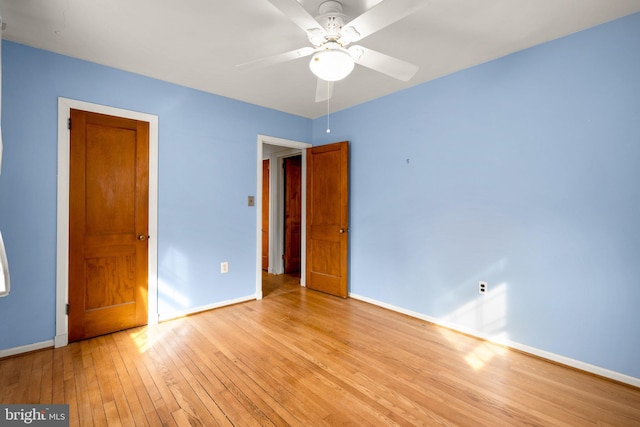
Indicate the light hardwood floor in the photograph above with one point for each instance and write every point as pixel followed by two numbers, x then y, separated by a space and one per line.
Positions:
pixel 300 357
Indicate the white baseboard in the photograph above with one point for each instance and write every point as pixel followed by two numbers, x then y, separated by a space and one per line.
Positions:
pixel 507 343
pixel 61 340
pixel 25 348
pixel 202 308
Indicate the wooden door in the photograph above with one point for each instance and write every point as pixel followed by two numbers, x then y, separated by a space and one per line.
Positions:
pixel 328 218
pixel 108 224
pixel 292 213
pixel 265 214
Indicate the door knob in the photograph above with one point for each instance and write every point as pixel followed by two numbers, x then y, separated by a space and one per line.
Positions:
pixel 343 230
pixel 142 237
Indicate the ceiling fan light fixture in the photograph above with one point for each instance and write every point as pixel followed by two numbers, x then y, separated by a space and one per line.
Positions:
pixel 331 64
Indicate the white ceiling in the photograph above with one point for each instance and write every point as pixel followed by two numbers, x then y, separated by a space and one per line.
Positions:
pixel 198 43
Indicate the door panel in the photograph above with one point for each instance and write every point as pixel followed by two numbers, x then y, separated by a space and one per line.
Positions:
pixel 108 224
pixel 328 218
pixel 292 213
pixel 265 214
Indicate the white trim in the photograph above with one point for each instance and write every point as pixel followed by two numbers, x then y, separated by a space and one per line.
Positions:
pixel 276 266
pixel 62 257
pixel 508 343
pixel 264 139
pixel 25 348
pixel 176 315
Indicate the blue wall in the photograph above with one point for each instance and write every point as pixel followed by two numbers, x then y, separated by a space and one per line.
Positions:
pixel 207 168
pixel 524 172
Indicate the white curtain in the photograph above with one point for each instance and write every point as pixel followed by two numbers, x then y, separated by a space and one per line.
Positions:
pixel 4 270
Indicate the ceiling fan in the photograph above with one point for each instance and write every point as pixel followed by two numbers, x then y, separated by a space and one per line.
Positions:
pixel 331 32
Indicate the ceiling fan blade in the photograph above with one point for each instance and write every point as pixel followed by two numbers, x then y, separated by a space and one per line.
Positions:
pixel 385 64
pixel 298 14
pixel 324 90
pixel 276 59
pixel 381 15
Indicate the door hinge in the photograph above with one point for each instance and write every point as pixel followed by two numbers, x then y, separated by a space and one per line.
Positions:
pixel 67 309
pixel 69 123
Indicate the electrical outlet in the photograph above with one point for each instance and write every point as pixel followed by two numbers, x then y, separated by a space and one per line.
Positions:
pixel 483 287
pixel 224 267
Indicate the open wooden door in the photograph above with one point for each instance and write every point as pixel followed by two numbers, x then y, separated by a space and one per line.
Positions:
pixel 265 214
pixel 108 224
pixel 292 213
pixel 328 218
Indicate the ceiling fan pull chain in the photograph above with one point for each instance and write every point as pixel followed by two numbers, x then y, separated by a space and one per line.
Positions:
pixel 328 109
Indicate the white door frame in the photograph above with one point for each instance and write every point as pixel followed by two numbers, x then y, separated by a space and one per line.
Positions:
pixel 263 139
pixel 62 252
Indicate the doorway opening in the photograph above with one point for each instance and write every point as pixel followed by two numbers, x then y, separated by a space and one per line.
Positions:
pixel 272 230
